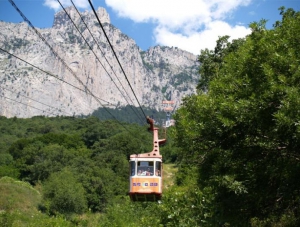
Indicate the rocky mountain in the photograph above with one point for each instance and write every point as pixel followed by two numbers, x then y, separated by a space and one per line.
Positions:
pixel 59 73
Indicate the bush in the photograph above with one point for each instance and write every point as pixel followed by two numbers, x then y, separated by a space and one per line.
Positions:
pixel 64 194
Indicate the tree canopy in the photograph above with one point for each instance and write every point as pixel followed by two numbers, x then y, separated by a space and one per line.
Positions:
pixel 242 128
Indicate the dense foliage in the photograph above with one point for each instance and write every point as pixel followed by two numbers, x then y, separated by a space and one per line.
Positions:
pixel 86 158
pixel 78 165
pixel 241 130
pixel 129 114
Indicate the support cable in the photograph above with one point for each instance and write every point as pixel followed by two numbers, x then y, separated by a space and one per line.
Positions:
pixel 35 100
pixel 54 52
pixel 50 74
pixel 51 113
pixel 59 58
pixel 62 81
pixel 86 89
pixel 95 53
pixel 116 57
pixel 103 54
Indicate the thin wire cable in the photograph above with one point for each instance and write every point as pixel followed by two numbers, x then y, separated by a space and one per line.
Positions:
pixel 50 74
pixel 85 40
pixel 51 113
pixel 103 54
pixel 116 57
pixel 94 52
pixel 35 100
pixel 90 93
pixel 53 51
pixel 58 79
pixel 59 58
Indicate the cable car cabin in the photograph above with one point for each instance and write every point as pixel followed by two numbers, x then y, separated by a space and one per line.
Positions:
pixel 146 178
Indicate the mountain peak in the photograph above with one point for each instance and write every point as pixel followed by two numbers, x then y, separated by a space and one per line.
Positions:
pixel 103 15
pixel 61 18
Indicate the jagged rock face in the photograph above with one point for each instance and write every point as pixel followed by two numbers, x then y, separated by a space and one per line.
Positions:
pixel 79 74
pixel 62 20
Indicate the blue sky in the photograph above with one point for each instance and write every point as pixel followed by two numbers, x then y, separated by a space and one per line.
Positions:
pixel 191 25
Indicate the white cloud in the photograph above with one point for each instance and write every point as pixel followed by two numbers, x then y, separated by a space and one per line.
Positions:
pixel 53 4
pixel 197 41
pixel 191 25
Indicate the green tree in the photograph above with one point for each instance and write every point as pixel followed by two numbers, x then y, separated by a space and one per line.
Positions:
pixel 243 133
pixel 212 61
pixel 38 157
pixel 64 194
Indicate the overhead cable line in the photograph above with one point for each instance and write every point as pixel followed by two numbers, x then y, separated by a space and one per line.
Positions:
pixel 59 58
pixel 116 57
pixel 53 51
pixel 103 54
pixel 50 74
pixel 96 55
pixel 36 31
pixel 51 113
pixel 34 100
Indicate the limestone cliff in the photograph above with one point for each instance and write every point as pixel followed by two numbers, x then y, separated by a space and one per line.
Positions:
pixel 89 76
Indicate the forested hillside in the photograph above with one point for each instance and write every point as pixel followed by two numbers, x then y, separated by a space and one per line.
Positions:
pixel 236 145
pixel 129 114
pixel 86 156
pixel 75 165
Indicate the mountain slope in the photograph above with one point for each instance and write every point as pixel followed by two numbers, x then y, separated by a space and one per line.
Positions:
pixel 156 74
